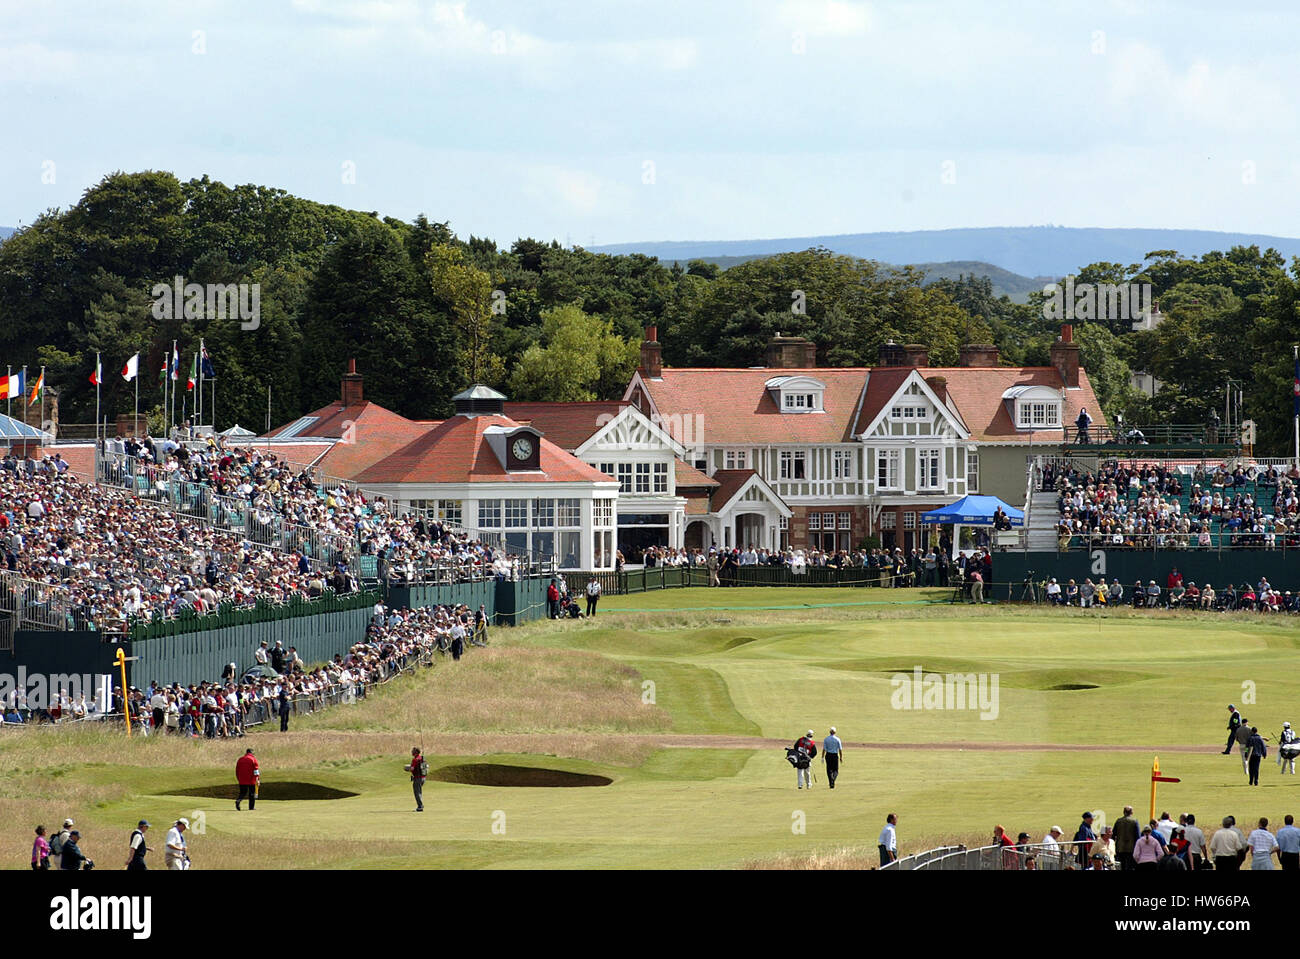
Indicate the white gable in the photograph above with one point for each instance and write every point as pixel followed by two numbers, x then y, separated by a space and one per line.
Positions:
pixel 630 429
pixel 915 410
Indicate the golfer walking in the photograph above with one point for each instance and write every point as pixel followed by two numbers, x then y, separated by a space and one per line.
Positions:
pixel 176 856
pixel 805 748
pixel 832 755
pixel 249 775
pixel 138 848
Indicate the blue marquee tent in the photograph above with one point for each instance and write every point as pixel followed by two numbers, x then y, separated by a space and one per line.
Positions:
pixel 973 511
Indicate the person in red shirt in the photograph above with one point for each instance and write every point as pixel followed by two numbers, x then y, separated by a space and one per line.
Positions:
pixel 1175 578
pixel 553 601
pixel 248 774
pixel 1010 855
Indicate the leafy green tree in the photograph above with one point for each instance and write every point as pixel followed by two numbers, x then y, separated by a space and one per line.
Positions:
pixel 580 358
pixel 465 291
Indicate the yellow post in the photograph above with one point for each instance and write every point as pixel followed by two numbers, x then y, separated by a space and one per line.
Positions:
pixel 1155 773
pixel 126 706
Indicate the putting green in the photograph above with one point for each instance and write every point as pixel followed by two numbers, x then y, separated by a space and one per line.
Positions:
pixel 1083 702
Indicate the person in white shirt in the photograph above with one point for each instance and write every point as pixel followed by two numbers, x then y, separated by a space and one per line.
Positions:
pixel 1195 841
pixel 1054 591
pixel 175 855
pixel 1263 847
pixel 1166 826
pixel 888 842
pixel 1052 841
pixel 261 655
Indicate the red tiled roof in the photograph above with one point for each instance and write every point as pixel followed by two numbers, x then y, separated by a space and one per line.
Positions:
pixel 882 383
pixel 688 476
pixel 567 425
pixel 334 419
pixel 299 454
pixel 729 484
pixel 735 408
pixel 977 393
pixel 697 504
pixel 456 451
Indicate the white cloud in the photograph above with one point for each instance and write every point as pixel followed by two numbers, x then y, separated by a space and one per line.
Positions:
pixel 822 18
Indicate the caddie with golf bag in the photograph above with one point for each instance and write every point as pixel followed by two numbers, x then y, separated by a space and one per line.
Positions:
pixel 800 756
pixel 1287 748
pixel 419 770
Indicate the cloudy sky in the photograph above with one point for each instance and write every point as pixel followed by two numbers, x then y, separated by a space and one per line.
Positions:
pixel 603 122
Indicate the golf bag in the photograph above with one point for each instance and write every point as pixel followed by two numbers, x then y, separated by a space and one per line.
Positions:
pixel 796 757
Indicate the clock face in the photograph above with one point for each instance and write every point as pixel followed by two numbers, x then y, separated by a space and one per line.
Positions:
pixel 522 448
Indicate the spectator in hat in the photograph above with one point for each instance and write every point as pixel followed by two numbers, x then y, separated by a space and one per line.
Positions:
pixel 1084 837
pixel 72 857
pixel 138 848
pixel 175 855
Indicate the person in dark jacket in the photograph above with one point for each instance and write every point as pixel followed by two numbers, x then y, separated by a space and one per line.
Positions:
pixel 284 707
pixel 73 857
pixel 1256 751
pixel 138 848
pixel 1084 837
pixel 1234 721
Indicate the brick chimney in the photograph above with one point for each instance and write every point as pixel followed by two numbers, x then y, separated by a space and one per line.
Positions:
pixel 352 394
pixel 1065 356
pixel 891 354
pixel 978 354
pixel 652 354
pixel 791 353
pixel 940 386
pixel 916 354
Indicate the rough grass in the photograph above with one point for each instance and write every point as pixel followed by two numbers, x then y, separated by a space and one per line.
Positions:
pixel 508 690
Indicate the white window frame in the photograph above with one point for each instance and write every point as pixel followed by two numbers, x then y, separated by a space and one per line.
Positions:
pixel 1038 414
pixel 933 458
pixel 642 478
pixel 892 462
pixel 659 478
pixel 889 520
pixel 972 472
pixel 787 461
pixel 735 459
pixel 842 464
pixel 814 522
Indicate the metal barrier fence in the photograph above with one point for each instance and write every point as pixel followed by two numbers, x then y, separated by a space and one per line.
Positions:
pixel 32 604
pixel 1034 856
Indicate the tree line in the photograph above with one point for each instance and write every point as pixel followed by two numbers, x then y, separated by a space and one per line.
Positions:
pixel 425 312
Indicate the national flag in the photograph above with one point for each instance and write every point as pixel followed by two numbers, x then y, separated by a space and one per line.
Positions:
pixel 176 363
pixel 194 374
pixel 209 373
pixel 131 369
pixel 11 386
pixel 97 377
pixel 36 390
pixel 162 374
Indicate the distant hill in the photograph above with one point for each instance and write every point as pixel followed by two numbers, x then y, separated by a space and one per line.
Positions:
pixel 6 232
pixel 1004 281
pixel 1030 251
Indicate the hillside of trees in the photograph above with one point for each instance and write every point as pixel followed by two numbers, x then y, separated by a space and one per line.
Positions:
pixel 426 312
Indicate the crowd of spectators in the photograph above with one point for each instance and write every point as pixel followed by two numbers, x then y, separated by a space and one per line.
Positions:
pixel 930 566
pixel 394 639
pixel 1159 845
pixel 1135 506
pixel 1262 597
pixel 336 523
pixel 106 556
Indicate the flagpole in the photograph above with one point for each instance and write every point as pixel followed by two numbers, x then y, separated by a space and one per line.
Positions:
pixel 135 423
pixel 199 399
pixel 1295 353
pixel 9 397
pixel 98 376
pixel 41 383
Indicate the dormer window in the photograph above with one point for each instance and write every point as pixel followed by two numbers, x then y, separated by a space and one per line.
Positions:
pixel 909 413
pixel 1034 407
pixel 797 394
